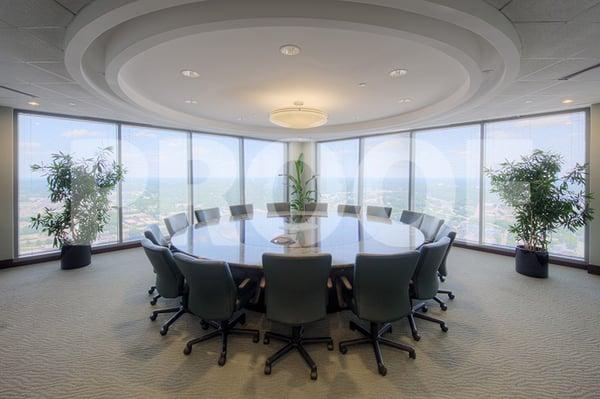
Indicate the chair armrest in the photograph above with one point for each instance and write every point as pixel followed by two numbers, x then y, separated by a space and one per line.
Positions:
pixel 244 283
pixel 346 283
pixel 263 283
pixel 329 283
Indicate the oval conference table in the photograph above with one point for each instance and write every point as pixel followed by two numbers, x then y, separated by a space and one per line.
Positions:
pixel 241 242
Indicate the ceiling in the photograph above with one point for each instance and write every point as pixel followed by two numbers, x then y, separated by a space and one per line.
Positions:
pixel 243 76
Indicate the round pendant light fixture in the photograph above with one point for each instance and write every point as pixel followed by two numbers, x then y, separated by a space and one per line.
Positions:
pixel 298 117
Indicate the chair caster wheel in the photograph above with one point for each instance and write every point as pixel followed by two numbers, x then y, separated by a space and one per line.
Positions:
pixel 150 291
pixel 267 369
pixel 424 309
pixel 416 337
pixel 256 338
pixel 204 325
pixel 266 340
pixel 243 320
pixel 352 328
pixel 412 354
pixel 451 296
pixel 390 330
pixel 382 369
pixel 444 307
pixel 330 345
pixel 153 302
pixel 313 374
pixel 222 359
pixel 153 316
pixel 444 328
pixel 163 331
pixel 343 350
pixel 187 350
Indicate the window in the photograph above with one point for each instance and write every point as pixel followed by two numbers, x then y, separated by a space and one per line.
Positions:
pixel 264 162
pixel 39 136
pixel 561 133
pixel 447 174
pixel 338 171
pixel 216 172
pixel 386 171
pixel 156 182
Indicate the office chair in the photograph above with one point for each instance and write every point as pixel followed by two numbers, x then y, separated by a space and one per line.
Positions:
pixel 430 225
pixel 379 211
pixel 445 231
pixel 204 215
pixel 241 210
pixel 176 222
pixel 411 217
pixel 349 209
pixel 154 234
pixel 278 207
pixel 316 207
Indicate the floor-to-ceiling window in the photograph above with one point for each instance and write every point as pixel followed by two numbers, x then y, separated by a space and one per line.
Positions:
pixel 216 171
pixel 156 181
pixel 40 136
pixel 386 171
pixel 564 134
pixel 264 164
pixel 447 177
pixel 338 163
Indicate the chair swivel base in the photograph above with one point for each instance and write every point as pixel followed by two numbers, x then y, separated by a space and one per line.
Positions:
pixel 223 329
pixel 375 338
pixel 413 326
pixel 180 310
pixel 295 341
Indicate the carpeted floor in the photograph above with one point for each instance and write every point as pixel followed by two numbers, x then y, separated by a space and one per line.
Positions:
pixel 86 334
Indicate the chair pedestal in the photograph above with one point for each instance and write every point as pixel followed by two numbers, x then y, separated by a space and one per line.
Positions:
pixel 223 328
pixel 295 341
pixel 375 338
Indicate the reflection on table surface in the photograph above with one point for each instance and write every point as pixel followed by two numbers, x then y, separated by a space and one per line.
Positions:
pixel 241 241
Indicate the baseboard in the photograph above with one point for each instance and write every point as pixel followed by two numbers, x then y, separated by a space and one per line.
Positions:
pixel 593 269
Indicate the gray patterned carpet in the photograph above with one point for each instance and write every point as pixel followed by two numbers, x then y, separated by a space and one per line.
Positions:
pixel 86 334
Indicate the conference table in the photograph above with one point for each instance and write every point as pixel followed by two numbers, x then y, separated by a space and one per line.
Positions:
pixel 241 241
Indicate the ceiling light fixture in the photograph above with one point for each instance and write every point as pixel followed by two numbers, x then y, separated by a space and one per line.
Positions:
pixel 298 117
pixel 188 73
pixel 528 101
pixel 404 100
pixel 289 49
pixel 396 73
pixel 567 101
pixel 33 103
pixel 362 84
pixel 191 102
pixel 71 104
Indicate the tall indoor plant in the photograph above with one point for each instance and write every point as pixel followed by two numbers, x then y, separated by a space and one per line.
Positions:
pixel 301 193
pixel 542 201
pixel 81 190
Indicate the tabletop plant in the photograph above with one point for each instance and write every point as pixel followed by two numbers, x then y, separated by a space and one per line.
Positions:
pixel 542 199
pixel 81 191
pixel 301 193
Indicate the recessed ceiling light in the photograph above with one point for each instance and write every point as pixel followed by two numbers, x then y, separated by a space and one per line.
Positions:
pixel 289 49
pixel 488 70
pixel 396 73
pixel 362 84
pixel 191 102
pixel 188 73
pixel 567 101
pixel 528 101
pixel 72 104
pixel 404 100
pixel 33 103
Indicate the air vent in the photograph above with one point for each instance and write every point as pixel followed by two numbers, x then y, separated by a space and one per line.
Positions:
pixel 18 91
pixel 580 72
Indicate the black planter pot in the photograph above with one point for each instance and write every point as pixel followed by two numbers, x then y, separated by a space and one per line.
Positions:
pixel 75 256
pixel 531 263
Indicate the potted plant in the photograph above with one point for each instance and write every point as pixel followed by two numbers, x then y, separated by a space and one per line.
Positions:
pixel 300 192
pixel 81 191
pixel 542 201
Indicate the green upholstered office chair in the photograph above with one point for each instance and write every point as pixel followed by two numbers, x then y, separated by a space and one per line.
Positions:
pixel 379 211
pixel 154 234
pixel 295 295
pixel 349 209
pixel 169 281
pixel 425 282
pixel 241 210
pixel 411 217
pixel 380 295
pixel 316 207
pixel 430 225
pixel 278 207
pixel 445 231
pixel 214 297
pixel 204 215
pixel 176 222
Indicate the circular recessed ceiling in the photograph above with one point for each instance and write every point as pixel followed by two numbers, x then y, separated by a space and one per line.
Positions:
pixel 145 46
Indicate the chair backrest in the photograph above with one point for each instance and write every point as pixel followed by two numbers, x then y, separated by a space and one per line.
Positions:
pixel 241 210
pixel 204 215
pixel 379 211
pixel 445 231
pixel 176 222
pixel 296 287
pixel 316 207
pixel 381 285
pixel 154 234
pixel 169 280
pixel 278 207
pixel 411 217
pixel 425 278
pixel 212 293
pixel 349 209
pixel 430 225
